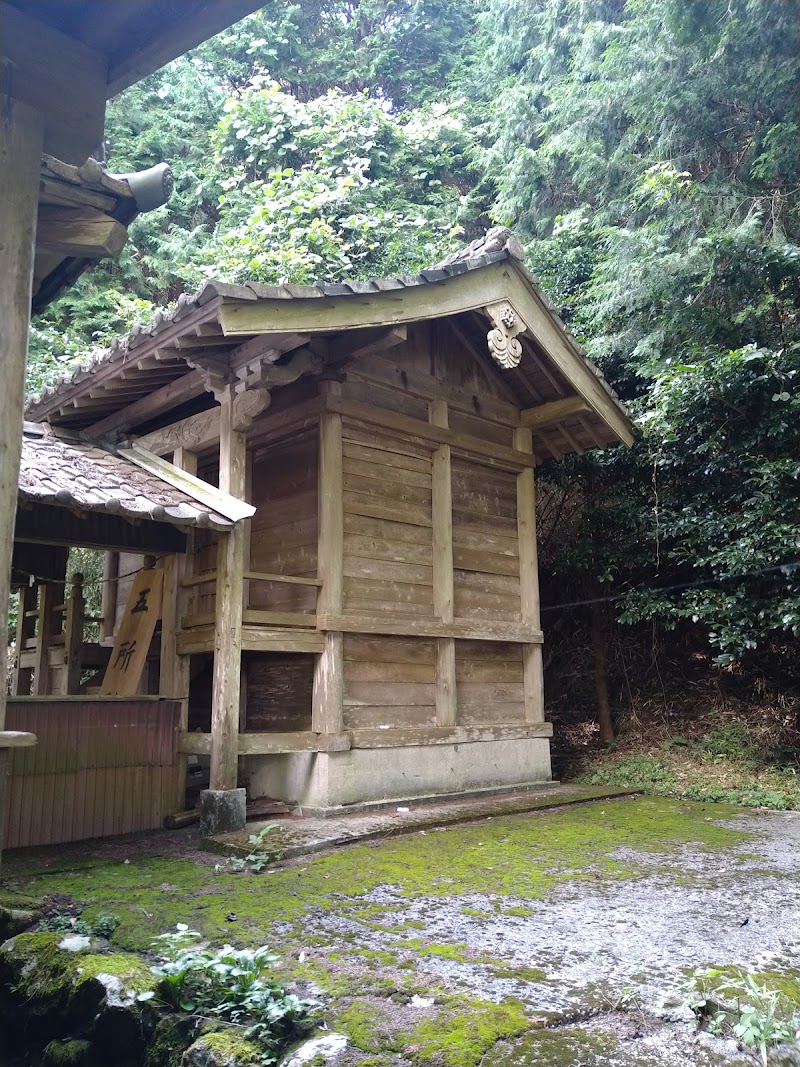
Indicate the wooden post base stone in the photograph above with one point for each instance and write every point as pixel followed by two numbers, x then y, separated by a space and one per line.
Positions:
pixel 222 811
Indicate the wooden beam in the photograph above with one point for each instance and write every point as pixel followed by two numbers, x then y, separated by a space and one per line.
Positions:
pixel 58 77
pixel 362 343
pixel 268 744
pixel 254 639
pixel 264 744
pixel 532 666
pixel 84 232
pixel 149 407
pixel 328 689
pixel 458 735
pixel 195 432
pixel 554 411
pixel 442 536
pixel 468 629
pixel 20 161
pixel 226 686
pixel 384 309
pixel 487 451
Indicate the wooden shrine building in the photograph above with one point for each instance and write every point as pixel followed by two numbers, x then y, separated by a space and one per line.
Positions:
pixel 371 633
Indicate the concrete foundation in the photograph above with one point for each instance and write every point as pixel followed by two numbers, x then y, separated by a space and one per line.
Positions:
pixel 222 811
pixel 325 782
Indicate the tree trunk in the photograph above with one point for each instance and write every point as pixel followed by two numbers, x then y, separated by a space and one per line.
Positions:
pixel 598 629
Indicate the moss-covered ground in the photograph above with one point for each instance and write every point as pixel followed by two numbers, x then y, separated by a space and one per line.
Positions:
pixel 437 947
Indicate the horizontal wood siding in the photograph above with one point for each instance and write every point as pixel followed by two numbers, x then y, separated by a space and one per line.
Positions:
pixel 387 558
pixel 389 682
pixel 100 767
pixel 279 691
pixel 486 575
pixel 489 683
pixel 284 529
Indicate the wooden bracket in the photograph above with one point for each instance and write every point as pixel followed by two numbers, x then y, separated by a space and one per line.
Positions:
pixel 217 374
pixel 248 404
pixel 504 347
pixel 554 411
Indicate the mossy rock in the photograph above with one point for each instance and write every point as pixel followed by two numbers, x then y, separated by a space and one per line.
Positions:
pixel 222 1048
pixel 76 1053
pixel 172 1037
pixel 54 985
pixel 14 921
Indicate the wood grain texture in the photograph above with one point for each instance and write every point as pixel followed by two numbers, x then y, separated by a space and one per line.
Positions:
pixel 231 560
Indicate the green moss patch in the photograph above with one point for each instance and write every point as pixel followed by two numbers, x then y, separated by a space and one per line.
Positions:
pixel 522 857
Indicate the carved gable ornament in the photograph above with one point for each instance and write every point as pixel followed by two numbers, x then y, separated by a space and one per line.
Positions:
pixel 504 347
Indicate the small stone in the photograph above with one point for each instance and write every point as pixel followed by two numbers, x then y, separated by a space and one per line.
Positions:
pixel 330 1046
pixel 75 943
pixel 421 1002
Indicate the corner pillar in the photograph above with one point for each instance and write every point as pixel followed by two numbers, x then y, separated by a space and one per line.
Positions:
pixel 228 621
pixel 327 714
pixel 21 136
pixel 443 586
pixel 533 671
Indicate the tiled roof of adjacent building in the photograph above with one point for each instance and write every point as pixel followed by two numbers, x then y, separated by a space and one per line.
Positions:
pixel 59 468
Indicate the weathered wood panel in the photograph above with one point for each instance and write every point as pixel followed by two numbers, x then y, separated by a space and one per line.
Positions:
pixel 100 767
pixel 279 692
pixel 485 542
pixel 489 683
pixel 389 682
pixel 285 528
pixel 388 554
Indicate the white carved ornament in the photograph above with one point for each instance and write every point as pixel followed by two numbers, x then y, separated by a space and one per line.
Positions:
pixel 504 347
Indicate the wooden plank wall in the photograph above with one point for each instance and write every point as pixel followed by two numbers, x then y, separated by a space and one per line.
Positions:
pixel 485 544
pixel 279 691
pixel 389 681
pixel 489 683
pixel 387 524
pixel 100 767
pixel 284 529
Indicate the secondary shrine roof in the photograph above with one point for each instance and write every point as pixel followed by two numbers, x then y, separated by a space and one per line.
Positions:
pixel 59 468
pixel 232 325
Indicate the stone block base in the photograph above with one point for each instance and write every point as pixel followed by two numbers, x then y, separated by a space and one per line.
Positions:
pixel 326 782
pixel 222 811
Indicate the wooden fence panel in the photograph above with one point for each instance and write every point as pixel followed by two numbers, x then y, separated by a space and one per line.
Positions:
pixel 100 767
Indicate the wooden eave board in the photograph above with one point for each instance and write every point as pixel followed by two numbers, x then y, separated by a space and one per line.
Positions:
pixel 133 38
pixel 552 367
pixel 469 291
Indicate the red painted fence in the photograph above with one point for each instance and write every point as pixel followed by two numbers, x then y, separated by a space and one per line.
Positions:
pixel 100 767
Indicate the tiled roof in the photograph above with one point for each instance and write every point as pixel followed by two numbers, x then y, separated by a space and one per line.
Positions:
pixel 58 468
pixel 498 245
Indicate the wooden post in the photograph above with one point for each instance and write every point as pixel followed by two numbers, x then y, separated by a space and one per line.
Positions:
pixel 108 607
pixel 175 676
pixel 442 520
pixel 20 161
pixel 50 594
pixel 533 673
pixel 328 692
pixel 229 605
pixel 26 627
pixel 73 637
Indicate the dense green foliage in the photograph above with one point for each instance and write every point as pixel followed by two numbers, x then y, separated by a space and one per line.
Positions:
pixel 649 155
